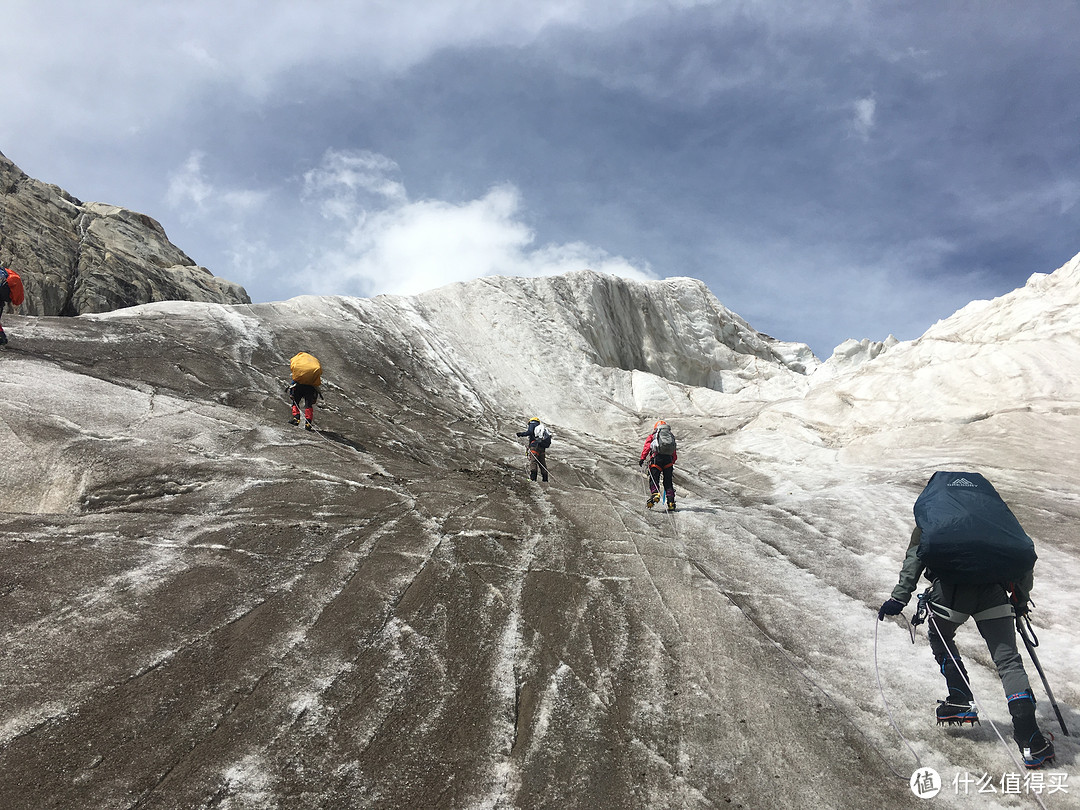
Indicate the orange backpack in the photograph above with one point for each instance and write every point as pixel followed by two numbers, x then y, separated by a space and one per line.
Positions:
pixel 14 284
pixel 306 369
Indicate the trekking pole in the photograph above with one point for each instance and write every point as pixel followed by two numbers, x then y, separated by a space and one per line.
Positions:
pixel 1031 645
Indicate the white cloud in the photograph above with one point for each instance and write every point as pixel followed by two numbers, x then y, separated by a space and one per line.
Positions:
pixel 344 176
pixel 231 215
pixel 406 247
pixel 147 61
pixel 865 109
pixel 188 185
pixel 191 191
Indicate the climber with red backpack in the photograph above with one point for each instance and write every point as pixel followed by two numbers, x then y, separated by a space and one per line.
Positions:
pixel 11 294
pixel 660 452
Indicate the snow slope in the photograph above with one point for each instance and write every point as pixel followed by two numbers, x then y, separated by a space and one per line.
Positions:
pixel 207 608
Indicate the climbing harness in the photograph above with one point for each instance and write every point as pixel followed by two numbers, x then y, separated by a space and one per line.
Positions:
pixel 921 612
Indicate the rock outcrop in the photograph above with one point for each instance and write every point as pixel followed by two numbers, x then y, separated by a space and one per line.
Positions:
pixel 77 257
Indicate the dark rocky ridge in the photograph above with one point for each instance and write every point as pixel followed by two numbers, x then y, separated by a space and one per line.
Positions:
pixel 77 257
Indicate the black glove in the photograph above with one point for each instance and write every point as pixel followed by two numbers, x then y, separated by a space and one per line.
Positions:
pixel 891 607
pixel 640 462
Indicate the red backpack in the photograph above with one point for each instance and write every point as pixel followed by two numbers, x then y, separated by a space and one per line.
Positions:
pixel 11 279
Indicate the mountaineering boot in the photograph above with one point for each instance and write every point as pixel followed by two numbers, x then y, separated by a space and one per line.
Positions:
pixel 308 425
pixel 956 710
pixel 1035 748
pixel 294 420
pixel 1039 753
pixel 654 499
pixel 3 337
pixel 671 506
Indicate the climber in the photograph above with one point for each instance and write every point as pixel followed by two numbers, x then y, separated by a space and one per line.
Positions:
pixel 306 380
pixel 539 438
pixel 11 295
pixel 660 452
pixel 979 561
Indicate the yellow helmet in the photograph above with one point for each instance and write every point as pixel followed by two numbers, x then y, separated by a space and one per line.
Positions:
pixel 534 419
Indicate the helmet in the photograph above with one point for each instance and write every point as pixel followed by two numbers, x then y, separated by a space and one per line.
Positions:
pixel 534 419
pixel 658 424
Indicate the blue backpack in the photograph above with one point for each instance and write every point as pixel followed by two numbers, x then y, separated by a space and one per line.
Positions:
pixel 969 535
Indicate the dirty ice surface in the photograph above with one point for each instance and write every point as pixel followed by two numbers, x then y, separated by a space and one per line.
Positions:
pixel 205 607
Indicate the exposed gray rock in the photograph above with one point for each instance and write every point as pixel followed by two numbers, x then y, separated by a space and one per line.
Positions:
pixel 77 257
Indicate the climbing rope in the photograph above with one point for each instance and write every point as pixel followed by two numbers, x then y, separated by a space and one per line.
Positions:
pixel 531 456
pixel 795 665
pixel 881 689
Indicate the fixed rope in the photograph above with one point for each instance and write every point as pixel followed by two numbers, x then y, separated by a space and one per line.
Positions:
pixel 888 709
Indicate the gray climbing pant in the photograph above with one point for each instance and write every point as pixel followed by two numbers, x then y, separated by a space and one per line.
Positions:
pixel 989 606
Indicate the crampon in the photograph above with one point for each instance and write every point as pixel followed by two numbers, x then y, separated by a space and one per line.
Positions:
pixel 956 714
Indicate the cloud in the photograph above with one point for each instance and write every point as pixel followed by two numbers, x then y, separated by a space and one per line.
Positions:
pixel 232 216
pixel 190 190
pixel 864 116
pixel 188 184
pixel 343 177
pixel 146 61
pixel 406 247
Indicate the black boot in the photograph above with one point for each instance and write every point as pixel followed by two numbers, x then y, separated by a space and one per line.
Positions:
pixel 957 711
pixel 1035 748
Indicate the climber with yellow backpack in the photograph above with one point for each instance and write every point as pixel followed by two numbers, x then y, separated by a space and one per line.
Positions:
pixel 306 380
pixel 11 294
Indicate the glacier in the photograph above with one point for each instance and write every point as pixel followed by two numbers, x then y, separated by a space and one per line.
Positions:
pixel 204 607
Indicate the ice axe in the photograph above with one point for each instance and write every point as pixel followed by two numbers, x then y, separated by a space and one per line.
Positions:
pixel 1031 644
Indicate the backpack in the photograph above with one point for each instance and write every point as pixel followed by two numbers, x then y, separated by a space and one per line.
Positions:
pixel 542 436
pixel 969 535
pixel 14 284
pixel 306 369
pixel 663 441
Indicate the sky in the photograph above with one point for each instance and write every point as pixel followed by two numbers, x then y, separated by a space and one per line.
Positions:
pixel 834 170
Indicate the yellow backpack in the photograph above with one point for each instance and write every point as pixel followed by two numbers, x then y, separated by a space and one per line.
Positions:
pixel 306 369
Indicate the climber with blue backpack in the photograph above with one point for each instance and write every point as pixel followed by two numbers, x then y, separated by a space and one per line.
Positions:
pixel 980 562
pixel 539 440
pixel 660 452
